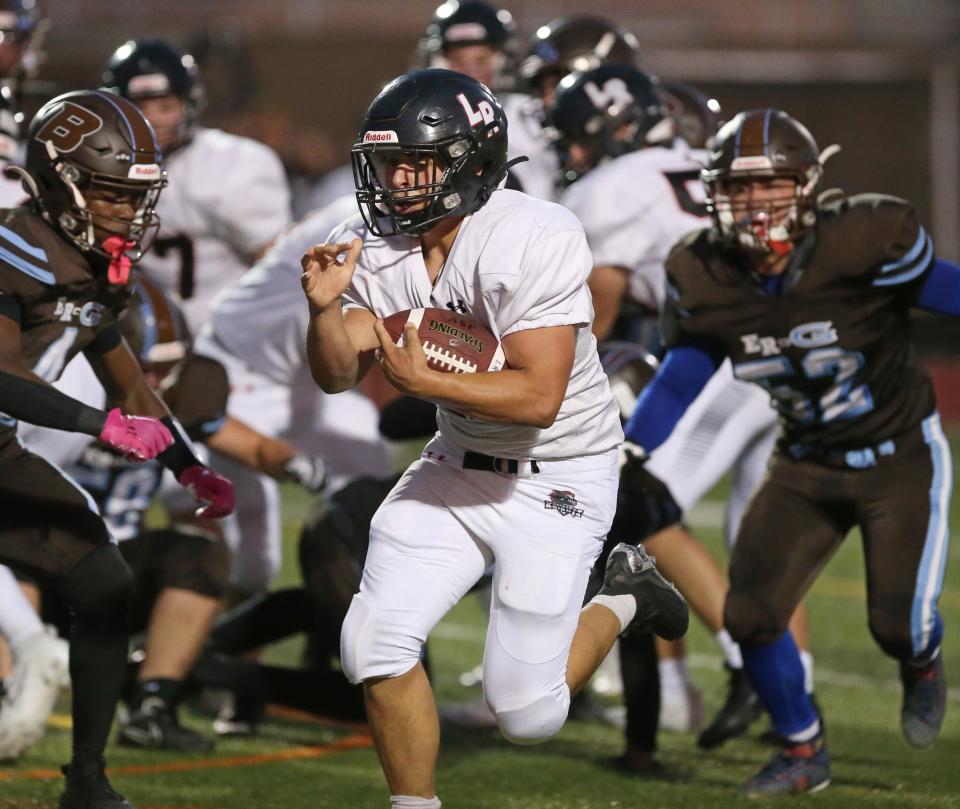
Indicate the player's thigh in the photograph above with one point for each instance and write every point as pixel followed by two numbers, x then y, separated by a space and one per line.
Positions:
pixel 552 533
pixel 904 511
pixel 49 522
pixel 420 562
pixel 747 475
pixel 715 430
pixel 786 537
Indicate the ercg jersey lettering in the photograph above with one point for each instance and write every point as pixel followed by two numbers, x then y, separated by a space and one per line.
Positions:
pixel 636 207
pixel 227 198
pixel 833 348
pixel 122 490
pixel 518 263
pixel 63 303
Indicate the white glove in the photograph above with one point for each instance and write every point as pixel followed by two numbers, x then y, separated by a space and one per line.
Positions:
pixel 311 473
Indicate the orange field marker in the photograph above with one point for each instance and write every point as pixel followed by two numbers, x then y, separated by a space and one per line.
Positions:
pixel 356 741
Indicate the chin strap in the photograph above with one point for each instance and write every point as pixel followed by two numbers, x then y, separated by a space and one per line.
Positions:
pixel 120 263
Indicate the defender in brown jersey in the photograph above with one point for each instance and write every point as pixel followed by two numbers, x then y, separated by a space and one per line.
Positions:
pixel 811 300
pixel 93 174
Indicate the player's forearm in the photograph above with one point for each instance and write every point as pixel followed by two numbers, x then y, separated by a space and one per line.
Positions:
pixel 508 396
pixel 252 449
pixel 141 400
pixel 333 360
pixel 26 397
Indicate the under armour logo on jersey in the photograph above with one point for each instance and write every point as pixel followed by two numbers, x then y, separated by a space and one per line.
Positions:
pixel 460 305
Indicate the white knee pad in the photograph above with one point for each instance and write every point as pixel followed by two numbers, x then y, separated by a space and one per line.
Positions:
pixel 533 722
pixel 375 644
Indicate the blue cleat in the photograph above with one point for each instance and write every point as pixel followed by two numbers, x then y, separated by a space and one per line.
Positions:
pixel 924 702
pixel 795 769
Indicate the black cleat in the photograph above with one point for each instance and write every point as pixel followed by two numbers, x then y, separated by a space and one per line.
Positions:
pixel 795 769
pixel 157 728
pixel 660 607
pixel 740 709
pixel 88 788
pixel 924 702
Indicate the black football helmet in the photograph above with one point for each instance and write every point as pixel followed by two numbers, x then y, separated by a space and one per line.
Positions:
pixel 576 43
pixel 87 141
pixel 151 68
pixel 758 145
pixel 696 115
pixel 629 369
pixel 464 22
pixel 433 120
pixel 609 111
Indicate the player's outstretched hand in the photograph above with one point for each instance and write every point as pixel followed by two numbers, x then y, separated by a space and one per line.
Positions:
pixel 139 438
pixel 214 492
pixel 405 366
pixel 325 278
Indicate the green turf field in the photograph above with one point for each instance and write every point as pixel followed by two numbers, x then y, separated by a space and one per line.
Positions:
pixel 301 765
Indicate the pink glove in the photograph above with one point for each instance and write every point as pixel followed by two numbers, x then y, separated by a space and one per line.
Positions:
pixel 140 438
pixel 214 491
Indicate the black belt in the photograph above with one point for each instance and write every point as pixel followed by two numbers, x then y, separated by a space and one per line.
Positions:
pixel 487 463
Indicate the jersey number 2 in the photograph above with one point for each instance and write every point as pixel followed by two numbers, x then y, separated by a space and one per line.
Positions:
pixel 839 402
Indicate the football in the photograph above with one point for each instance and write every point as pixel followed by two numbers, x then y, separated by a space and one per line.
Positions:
pixel 453 344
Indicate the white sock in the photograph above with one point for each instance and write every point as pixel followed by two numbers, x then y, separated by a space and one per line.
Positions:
pixel 18 618
pixel 413 802
pixel 806 734
pixel 730 649
pixel 673 676
pixel 807 660
pixel 623 606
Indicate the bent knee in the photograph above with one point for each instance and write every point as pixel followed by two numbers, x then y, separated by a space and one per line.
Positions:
pixel 101 581
pixel 751 622
pixel 892 633
pixel 532 722
pixel 373 646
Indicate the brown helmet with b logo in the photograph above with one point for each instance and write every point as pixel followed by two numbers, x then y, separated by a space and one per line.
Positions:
pixel 92 141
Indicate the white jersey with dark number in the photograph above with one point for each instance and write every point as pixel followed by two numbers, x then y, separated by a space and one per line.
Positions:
pixel 262 317
pixel 636 207
pixel 226 200
pixel 525 138
pixel 518 263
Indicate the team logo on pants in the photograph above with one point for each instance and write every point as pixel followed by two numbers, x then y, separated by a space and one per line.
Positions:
pixel 563 502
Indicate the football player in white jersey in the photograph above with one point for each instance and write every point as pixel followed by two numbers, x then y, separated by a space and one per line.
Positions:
pixel 636 189
pixel 256 330
pixel 228 195
pixel 436 230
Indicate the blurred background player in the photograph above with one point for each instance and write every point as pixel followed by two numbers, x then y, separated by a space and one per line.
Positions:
pixel 810 299
pixel 228 197
pixel 256 331
pixel 93 172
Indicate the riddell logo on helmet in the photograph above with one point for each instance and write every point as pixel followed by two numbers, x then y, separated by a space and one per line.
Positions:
pixel 747 163
pixel 149 171
pixel 381 136
pixel 149 83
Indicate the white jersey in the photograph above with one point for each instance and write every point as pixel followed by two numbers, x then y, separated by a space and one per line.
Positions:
pixel 526 138
pixel 262 317
pixel 636 207
pixel 330 187
pixel 518 263
pixel 226 200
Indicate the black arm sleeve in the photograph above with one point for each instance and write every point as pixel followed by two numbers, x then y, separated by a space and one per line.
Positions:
pixel 36 403
pixel 10 307
pixel 179 455
pixel 106 340
pixel 407 418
